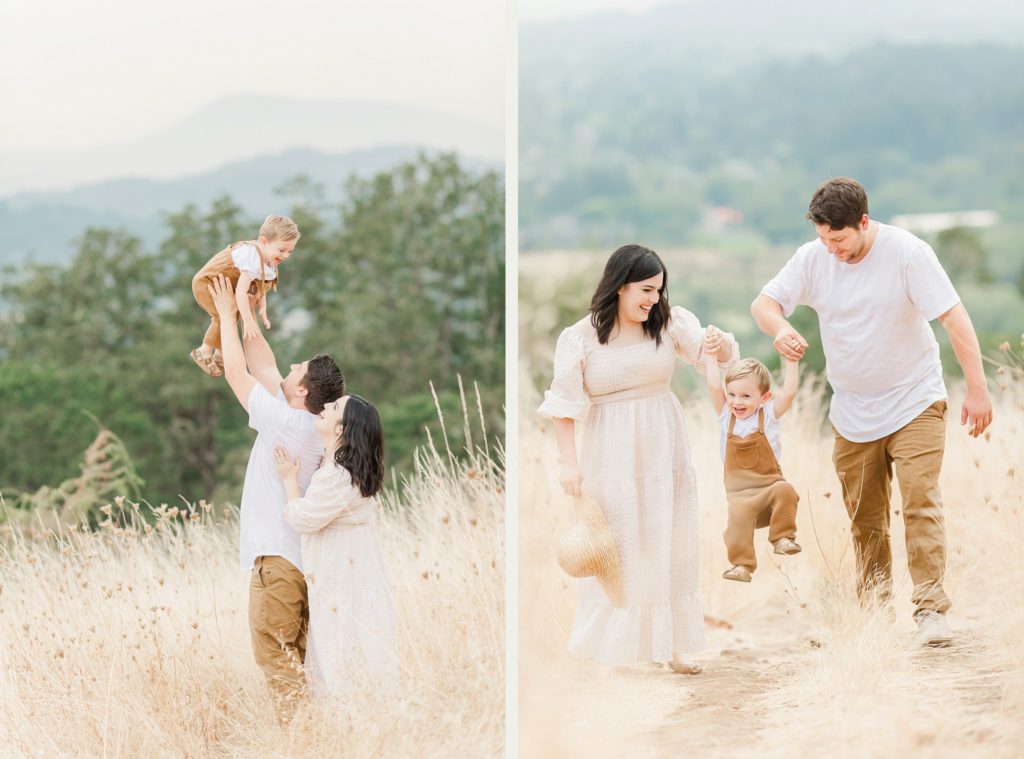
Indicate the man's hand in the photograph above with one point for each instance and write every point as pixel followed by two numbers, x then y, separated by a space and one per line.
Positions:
pixel 223 297
pixel 790 344
pixel 977 411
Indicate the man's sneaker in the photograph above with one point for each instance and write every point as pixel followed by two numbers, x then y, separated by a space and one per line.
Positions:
pixel 932 628
pixel 787 547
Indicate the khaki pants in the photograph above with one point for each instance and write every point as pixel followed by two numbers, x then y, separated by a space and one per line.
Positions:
pixel 278 619
pixel 865 473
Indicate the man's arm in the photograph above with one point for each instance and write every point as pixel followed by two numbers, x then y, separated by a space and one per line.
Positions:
pixel 240 381
pixel 977 408
pixel 787 341
pixel 262 363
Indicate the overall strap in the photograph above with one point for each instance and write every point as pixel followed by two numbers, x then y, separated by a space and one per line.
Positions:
pixel 760 419
pixel 732 421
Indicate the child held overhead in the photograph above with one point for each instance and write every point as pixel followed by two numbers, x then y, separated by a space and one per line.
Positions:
pixel 252 268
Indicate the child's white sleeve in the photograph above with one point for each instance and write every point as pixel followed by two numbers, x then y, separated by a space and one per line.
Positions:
pixel 247 259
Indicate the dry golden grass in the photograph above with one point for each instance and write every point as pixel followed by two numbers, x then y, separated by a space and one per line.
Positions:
pixel 804 671
pixel 134 642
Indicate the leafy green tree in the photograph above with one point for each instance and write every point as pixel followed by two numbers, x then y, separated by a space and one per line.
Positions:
pixel 407 289
pixel 962 255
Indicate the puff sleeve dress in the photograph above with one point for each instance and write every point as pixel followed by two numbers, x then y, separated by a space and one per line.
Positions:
pixel 351 611
pixel 636 463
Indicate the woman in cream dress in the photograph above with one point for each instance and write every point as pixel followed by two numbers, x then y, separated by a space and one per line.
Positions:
pixel 612 375
pixel 351 611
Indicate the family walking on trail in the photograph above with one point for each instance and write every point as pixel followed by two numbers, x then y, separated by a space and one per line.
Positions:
pixel 875 289
pixel 321 613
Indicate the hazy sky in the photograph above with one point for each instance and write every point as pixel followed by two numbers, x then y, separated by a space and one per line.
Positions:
pixel 77 74
pixel 537 9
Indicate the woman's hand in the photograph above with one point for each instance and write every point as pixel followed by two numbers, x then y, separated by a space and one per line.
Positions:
pixel 714 341
pixel 287 469
pixel 570 477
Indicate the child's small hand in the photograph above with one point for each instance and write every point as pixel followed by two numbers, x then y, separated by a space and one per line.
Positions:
pixel 287 469
pixel 714 340
pixel 250 330
pixel 263 313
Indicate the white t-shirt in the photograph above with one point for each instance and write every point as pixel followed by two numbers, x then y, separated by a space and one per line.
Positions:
pixel 264 531
pixel 746 426
pixel 247 259
pixel 881 357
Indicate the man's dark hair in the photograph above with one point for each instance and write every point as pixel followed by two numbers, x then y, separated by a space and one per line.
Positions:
pixel 839 202
pixel 324 381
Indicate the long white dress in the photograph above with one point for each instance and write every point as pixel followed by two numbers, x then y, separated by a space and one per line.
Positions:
pixel 351 642
pixel 636 463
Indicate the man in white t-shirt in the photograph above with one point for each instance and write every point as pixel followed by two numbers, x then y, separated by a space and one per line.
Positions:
pixel 875 288
pixel 281 410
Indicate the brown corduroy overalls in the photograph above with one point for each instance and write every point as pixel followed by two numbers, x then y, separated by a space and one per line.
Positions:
pixel 757 493
pixel 223 264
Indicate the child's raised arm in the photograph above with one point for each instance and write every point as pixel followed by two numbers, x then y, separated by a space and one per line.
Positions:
pixel 790 379
pixel 249 327
pixel 713 375
pixel 262 308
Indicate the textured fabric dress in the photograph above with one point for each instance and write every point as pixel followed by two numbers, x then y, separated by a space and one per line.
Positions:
pixel 351 611
pixel 636 463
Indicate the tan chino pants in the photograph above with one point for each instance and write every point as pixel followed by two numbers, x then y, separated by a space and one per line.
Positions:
pixel 865 472
pixel 278 620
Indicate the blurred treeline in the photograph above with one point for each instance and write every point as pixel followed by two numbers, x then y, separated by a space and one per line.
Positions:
pixel 637 142
pixel 403 284
pixel 711 158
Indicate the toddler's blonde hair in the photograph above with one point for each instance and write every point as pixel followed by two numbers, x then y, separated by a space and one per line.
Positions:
pixel 750 367
pixel 279 228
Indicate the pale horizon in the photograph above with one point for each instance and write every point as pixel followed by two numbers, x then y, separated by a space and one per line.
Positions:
pixel 77 77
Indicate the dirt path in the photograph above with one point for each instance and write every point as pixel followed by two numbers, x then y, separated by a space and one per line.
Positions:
pixel 759 693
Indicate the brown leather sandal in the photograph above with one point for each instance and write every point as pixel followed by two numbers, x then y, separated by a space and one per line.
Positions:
pixel 207 363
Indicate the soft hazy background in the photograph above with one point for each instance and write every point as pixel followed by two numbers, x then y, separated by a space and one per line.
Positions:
pixel 702 129
pixel 137 142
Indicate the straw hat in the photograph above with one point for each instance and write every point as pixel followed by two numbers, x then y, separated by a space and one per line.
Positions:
pixel 587 549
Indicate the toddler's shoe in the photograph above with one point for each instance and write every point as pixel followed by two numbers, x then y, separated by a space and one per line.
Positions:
pixel 739 573
pixel 787 547
pixel 207 363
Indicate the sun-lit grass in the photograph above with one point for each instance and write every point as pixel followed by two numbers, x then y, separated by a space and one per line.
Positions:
pixel 133 640
pixel 804 670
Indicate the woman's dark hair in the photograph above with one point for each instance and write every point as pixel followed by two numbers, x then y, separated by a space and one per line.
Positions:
pixel 324 381
pixel 630 263
pixel 839 203
pixel 361 449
